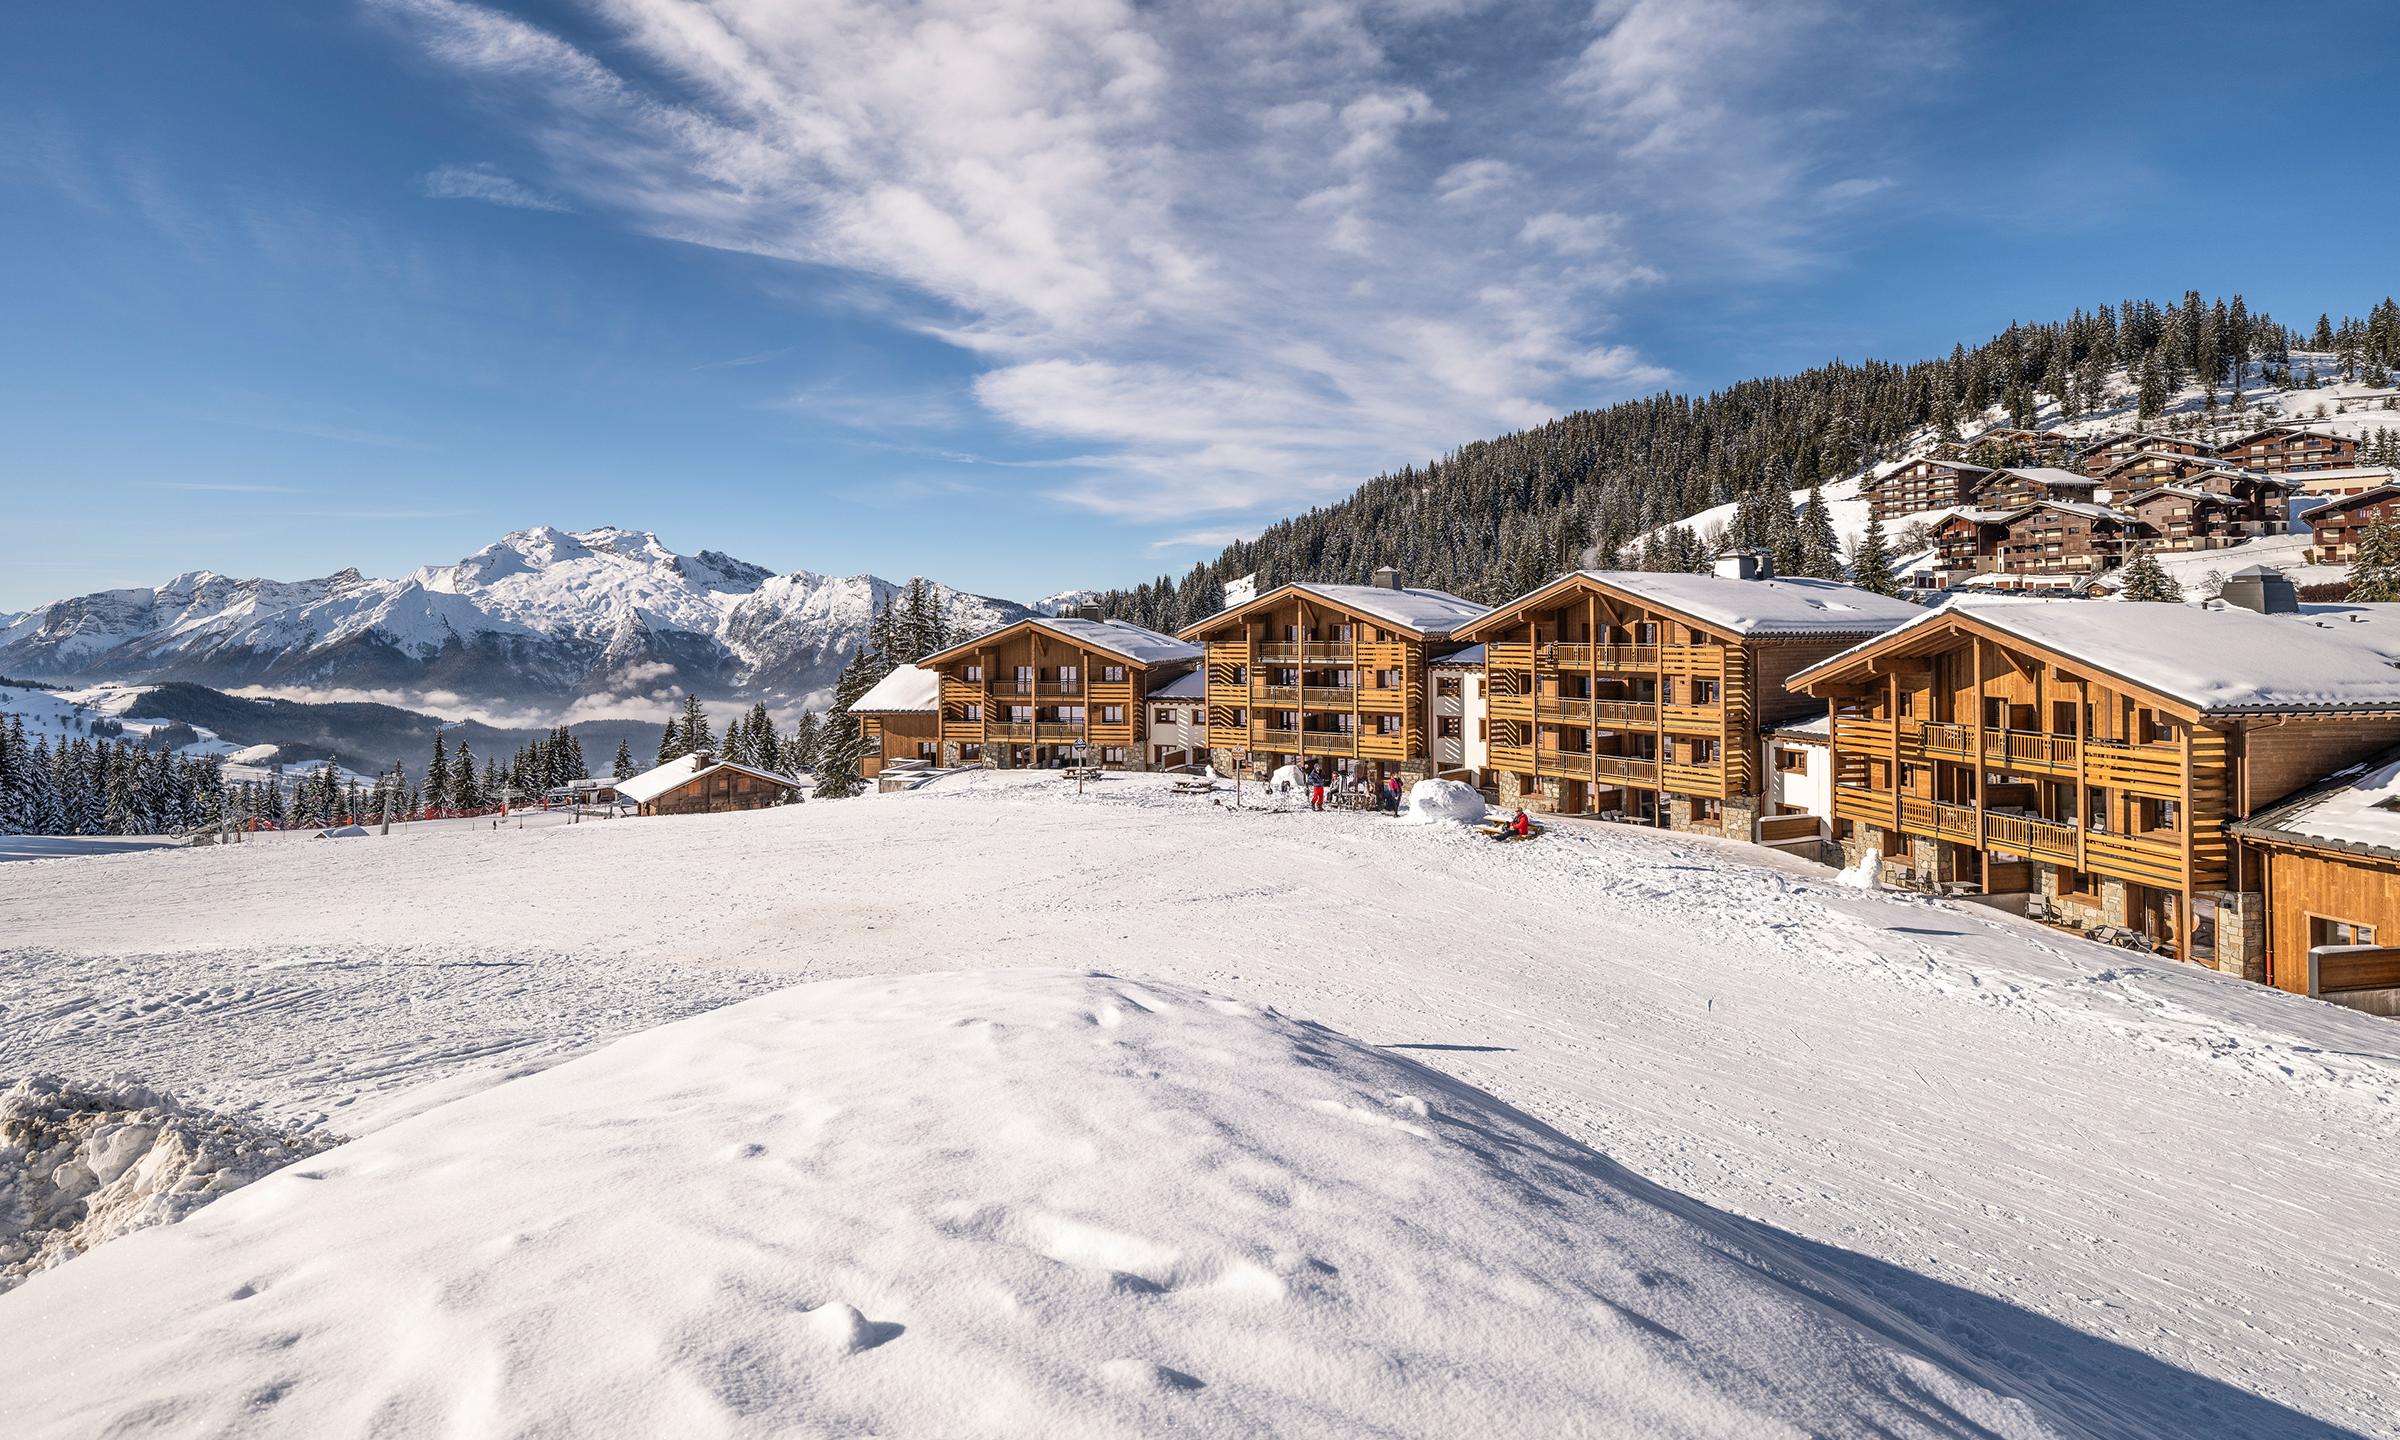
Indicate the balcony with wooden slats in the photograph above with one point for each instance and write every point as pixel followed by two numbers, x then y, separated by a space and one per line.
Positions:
pixel 1693 719
pixel 1705 781
pixel 1857 735
pixel 1862 806
pixel 2153 770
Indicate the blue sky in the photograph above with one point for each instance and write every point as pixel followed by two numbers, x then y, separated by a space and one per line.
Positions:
pixel 1026 294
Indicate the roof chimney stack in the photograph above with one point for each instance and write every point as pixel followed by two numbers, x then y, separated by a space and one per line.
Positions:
pixel 1746 565
pixel 1387 578
pixel 2261 588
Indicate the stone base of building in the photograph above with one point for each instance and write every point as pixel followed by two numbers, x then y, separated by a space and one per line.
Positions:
pixel 2241 934
pixel 1736 819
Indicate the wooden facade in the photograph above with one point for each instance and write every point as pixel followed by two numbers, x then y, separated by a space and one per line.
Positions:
pixel 1971 757
pixel 2336 527
pixel 2180 517
pixel 1326 673
pixel 720 787
pixel 2008 489
pixel 1926 483
pixel 1604 698
pixel 899 735
pixel 2281 448
pixel 2145 468
pixel 2342 904
pixel 2097 456
pixel 2061 542
pixel 1050 691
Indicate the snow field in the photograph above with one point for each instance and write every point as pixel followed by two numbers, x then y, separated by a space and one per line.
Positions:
pixel 2147 1196
pixel 1077 1207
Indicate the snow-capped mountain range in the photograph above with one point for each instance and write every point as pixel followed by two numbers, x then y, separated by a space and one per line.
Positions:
pixel 541 615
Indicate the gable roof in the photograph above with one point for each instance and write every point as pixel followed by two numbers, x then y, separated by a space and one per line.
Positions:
pixel 1122 638
pixel 1470 658
pixel 1189 686
pixel 2186 491
pixel 2356 809
pixel 2346 502
pixel 1794 606
pixel 2121 436
pixel 650 784
pixel 2084 508
pixel 2264 431
pixel 908 690
pixel 2215 659
pixel 2049 477
pixel 1427 614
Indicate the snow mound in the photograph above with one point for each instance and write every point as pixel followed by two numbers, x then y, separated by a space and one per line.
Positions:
pixel 82 1165
pixel 254 755
pixel 990 1204
pixel 1443 802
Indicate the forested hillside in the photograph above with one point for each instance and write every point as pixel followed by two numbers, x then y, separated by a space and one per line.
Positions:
pixel 1499 517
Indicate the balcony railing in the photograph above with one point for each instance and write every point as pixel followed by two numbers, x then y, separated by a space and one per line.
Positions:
pixel 1328 742
pixel 1284 740
pixel 1276 694
pixel 1638 769
pixel 1940 738
pixel 1579 656
pixel 1933 817
pixel 2029 747
pixel 1563 707
pixel 2030 835
pixel 1340 696
pixel 1058 733
pixel 1625 714
pixel 1059 687
pixel 1306 651
pixel 1008 730
pixel 1012 689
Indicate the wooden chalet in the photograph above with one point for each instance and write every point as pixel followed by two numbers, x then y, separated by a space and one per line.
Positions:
pixel 2032 484
pixel 1926 483
pixel 1967 544
pixel 2145 468
pixel 1331 673
pixel 702 784
pixel 2311 486
pixel 2336 527
pixel 2327 864
pixel 1054 690
pixel 900 718
pixel 2089 755
pixel 2182 517
pixel 1644 694
pixel 2060 543
pixel 2096 456
pixel 2280 448
pixel 2014 445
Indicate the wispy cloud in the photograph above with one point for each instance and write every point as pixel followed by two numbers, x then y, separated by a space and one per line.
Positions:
pixel 488 184
pixel 1234 267
pixel 216 487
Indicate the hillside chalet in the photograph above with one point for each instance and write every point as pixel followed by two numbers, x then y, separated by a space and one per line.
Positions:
pixel 2336 527
pixel 2091 755
pixel 1926 483
pixel 900 719
pixel 2342 480
pixel 702 784
pixel 2030 485
pixel 1644 694
pixel 2145 468
pixel 1336 673
pixel 1051 690
pixel 2280 448
pixel 2096 456
pixel 2049 545
pixel 2181 517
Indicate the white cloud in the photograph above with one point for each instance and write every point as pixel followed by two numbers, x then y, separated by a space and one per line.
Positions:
pixel 1858 187
pixel 482 182
pixel 1191 240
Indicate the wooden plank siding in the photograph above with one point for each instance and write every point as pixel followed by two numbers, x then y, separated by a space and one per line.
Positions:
pixel 1026 686
pixel 1302 676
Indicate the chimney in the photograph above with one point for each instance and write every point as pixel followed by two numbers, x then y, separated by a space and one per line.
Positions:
pixel 1746 565
pixel 1387 578
pixel 1084 612
pixel 702 759
pixel 2261 588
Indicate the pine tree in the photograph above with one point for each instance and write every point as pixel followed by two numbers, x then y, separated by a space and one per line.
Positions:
pixel 437 774
pixel 1820 546
pixel 1871 562
pixel 2375 575
pixel 670 742
pixel 465 789
pixel 803 744
pixel 2148 581
pixel 842 745
pixel 622 767
pixel 696 734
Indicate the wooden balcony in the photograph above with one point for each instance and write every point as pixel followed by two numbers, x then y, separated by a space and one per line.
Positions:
pixel 1306 652
pixel 1631 769
pixel 1693 719
pixel 1706 781
pixel 1856 735
pixel 1512 757
pixel 1920 816
pixel 2031 835
pixel 1866 807
pixel 1559 707
pixel 2030 750
pixel 1625 714
pixel 1007 730
pixel 1575 764
pixel 1945 741
pixel 1510 707
pixel 1328 742
pixel 1053 733
pixel 1275 694
pixel 1596 657
pixel 2155 770
pixel 1328 697
pixel 1011 689
pixel 2153 859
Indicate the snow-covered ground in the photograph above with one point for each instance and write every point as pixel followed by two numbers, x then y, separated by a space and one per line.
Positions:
pixel 2137 1198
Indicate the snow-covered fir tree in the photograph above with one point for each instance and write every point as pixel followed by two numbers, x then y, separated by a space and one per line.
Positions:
pixel 1871 562
pixel 2375 575
pixel 2148 581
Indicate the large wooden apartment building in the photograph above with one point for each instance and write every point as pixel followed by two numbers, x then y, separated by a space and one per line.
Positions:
pixel 2280 448
pixel 1928 482
pixel 2337 527
pixel 2098 455
pixel 1328 673
pixel 2091 755
pixel 1050 690
pixel 1644 694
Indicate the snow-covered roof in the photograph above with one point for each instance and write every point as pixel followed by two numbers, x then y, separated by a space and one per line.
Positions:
pixel 650 784
pixel 2309 479
pixel 1190 685
pixel 1471 658
pixel 1780 606
pixel 1818 728
pixel 2353 809
pixel 2216 658
pixel 2348 502
pixel 2050 477
pixel 2121 436
pixel 2186 491
pixel 1138 643
pixel 2084 508
pixel 1432 614
pixel 907 690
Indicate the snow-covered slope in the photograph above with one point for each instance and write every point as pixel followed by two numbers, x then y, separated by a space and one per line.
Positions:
pixel 110 712
pixel 1064 601
pixel 541 614
pixel 998 1204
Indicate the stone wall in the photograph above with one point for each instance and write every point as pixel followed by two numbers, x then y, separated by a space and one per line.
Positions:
pixel 2242 934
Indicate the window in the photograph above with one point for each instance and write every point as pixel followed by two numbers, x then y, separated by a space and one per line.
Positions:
pixel 1447 727
pixel 1112 754
pixel 1387 679
pixel 974 713
pixel 1024 674
pixel 1704 692
pixel 1112 714
pixel 1068 677
pixel 1020 714
pixel 1112 673
pixel 1448 687
pixel 1162 716
pixel 1483 729
pixel 1790 760
pixel 2324 931
pixel 1706 809
pixel 975 674
pixel 1387 724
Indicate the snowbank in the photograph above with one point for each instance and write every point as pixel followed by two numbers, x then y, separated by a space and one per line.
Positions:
pixel 81 1165
pixel 994 1204
pixel 1443 802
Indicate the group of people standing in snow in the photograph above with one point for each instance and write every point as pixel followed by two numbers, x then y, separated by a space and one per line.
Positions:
pixel 1322 783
